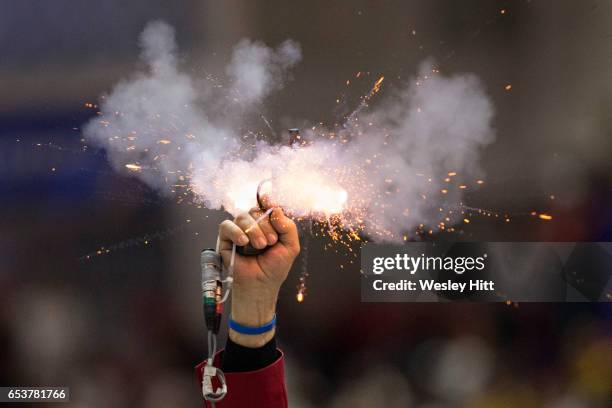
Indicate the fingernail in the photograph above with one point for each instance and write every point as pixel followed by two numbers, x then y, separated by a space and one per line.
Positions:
pixel 271 238
pixel 243 240
pixel 261 242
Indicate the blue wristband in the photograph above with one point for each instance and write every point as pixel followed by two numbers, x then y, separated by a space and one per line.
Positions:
pixel 252 330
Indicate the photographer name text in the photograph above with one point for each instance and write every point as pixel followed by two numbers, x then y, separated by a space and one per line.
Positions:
pixel 432 285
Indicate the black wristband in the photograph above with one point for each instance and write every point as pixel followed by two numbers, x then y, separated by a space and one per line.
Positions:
pixel 237 359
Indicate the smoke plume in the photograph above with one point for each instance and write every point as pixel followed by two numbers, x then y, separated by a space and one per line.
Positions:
pixel 388 169
pixel 257 70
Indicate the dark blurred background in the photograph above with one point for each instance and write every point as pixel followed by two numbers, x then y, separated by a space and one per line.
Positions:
pixel 99 275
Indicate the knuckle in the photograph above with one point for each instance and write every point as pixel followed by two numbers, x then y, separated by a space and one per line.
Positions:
pixel 255 231
pixel 242 217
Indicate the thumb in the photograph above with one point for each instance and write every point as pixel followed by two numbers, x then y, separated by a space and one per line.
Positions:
pixel 286 229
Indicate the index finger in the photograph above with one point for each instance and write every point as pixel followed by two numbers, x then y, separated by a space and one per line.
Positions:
pixel 230 233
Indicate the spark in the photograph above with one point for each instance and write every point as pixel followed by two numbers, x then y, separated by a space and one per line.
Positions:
pixel 133 167
pixel 545 217
pixel 378 84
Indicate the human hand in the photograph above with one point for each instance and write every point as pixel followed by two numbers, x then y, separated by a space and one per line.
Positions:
pixel 257 279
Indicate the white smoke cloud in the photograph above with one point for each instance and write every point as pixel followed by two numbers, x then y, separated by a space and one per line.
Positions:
pixel 434 126
pixel 141 115
pixel 257 70
pixel 384 171
pixel 169 124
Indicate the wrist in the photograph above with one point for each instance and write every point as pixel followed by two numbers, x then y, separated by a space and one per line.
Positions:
pixel 252 340
pixel 253 309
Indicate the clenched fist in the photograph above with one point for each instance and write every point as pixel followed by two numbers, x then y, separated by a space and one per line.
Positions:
pixel 257 279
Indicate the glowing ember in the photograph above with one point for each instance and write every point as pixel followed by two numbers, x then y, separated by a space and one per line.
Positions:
pixel 378 84
pixel 133 167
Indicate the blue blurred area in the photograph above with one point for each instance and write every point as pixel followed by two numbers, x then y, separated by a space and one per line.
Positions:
pixel 43 160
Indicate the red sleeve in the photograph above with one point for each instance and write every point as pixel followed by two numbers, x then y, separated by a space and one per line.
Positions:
pixel 263 388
